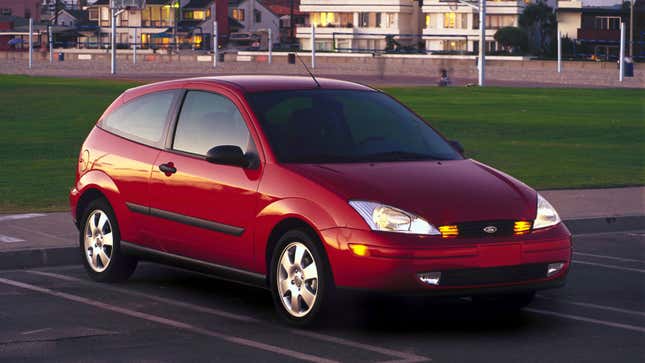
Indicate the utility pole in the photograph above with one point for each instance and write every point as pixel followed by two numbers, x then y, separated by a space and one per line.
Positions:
pixel 292 24
pixel 482 42
pixel 31 42
pixel 313 46
pixel 270 36
pixel 481 64
pixel 215 43
pixel 631 29
pixel 621 58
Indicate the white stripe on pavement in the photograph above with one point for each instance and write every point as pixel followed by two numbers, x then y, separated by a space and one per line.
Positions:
pixel 588 320
pixel 609 266
pixel 608 257
pixel 9 239
pixel 14 217
pixel 594 306
pixel 201 309
pixel 407 357
pixel 169 322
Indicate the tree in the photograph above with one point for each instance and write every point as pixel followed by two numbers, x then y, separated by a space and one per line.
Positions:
pixel 539 22
pixel 512 38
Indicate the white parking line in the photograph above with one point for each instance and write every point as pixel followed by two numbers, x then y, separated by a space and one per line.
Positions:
pixel 407 357
pixel 169 322
pixel 609 266
pixel 609 257
pixel 588 320
pixel 14 217
pixel 201 309
pixel 9 239
pixel 594 306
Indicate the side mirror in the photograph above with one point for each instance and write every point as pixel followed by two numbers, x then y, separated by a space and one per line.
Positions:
pixel 457 146
pixel 227 155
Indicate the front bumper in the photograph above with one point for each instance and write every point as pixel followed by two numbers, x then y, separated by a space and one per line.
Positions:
pixel 486 265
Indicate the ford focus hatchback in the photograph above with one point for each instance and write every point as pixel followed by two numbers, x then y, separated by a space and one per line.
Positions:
pixel 305 186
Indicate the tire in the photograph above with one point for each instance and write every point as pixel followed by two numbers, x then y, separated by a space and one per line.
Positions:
pixel 504 303
pixel 312 287
pixel 99 241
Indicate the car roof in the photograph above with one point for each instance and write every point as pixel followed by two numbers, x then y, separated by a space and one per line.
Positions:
pixel 261 83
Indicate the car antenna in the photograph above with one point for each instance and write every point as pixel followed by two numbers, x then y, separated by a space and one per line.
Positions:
pixel 307 69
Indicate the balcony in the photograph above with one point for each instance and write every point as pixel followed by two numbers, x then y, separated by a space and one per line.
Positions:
pixel 594 34
pixel 345 32
pixel 392 6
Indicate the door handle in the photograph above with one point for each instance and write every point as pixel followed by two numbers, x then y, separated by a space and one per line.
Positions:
pixel 168 168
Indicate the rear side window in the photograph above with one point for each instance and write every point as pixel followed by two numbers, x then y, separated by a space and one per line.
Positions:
pixel 142 119
pixel 207 120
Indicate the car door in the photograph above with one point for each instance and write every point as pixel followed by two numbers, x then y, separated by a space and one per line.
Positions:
pixel 126 148
pixel 206 211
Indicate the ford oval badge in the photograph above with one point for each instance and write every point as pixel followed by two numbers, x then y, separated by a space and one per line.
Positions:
pixel 490 229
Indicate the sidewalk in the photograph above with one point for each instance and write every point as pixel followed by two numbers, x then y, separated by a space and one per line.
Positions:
pixel 47 239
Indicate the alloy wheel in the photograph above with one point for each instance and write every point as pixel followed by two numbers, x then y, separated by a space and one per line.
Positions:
pixel 297 279
pixel 98 241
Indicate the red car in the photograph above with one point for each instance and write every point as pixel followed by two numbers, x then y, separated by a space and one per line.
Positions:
pixel 303 186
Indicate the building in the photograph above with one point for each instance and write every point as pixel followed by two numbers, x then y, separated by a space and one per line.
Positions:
pixel 285 10
pixel 454 27
pixel 21 8
pixel 360 25
pixel 196 24
pixel 161 24
pixel 254 16
pixel 594 25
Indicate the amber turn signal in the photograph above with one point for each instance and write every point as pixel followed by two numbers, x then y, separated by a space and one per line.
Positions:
pixel 521 227
pixel 449 231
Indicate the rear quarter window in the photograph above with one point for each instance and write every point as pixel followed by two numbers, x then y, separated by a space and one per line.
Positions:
pixel 142 119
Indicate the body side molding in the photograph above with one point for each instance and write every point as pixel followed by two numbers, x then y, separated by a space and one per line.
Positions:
pixel 191 221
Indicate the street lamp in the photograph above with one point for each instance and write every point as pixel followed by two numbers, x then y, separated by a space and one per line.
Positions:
pixel 482 37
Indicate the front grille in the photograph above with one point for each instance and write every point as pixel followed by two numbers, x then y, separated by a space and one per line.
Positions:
pixel 494 275
pixel 476 229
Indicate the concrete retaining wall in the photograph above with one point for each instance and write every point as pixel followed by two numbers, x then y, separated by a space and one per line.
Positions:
pixel 512 69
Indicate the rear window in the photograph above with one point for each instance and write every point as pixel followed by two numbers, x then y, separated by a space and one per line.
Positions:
pixel 142 119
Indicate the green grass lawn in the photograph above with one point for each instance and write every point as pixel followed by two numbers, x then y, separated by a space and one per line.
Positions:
pixel 549 138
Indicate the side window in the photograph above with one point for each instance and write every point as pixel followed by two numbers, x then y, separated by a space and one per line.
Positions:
pixel 143 119
pixel 207 120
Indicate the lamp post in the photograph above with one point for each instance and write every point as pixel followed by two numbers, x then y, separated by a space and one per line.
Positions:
pixel 481 65
pixel 631 29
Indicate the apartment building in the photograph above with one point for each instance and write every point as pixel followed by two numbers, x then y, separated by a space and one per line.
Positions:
pixel 594 24
pixel 359 25
pixel 450 26
pixel 160 24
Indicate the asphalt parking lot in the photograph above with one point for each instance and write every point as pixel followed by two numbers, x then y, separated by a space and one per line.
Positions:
pixel 167 314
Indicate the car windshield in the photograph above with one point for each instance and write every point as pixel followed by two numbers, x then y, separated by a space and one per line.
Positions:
pixel 345 126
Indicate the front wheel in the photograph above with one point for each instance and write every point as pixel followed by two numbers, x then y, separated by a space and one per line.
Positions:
pixel 300 279
pixel 100 245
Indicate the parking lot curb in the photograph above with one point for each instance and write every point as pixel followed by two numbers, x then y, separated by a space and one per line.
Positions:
pixel 59 256
pixel 41 257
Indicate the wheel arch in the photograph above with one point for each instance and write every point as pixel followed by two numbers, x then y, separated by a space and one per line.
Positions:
pixel 97 184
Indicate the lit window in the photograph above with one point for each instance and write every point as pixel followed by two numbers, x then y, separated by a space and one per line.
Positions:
pixel 238 14
pixel 449 20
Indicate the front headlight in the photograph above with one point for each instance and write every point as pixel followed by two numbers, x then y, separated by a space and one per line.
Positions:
pixel 546 214
pixel 381 217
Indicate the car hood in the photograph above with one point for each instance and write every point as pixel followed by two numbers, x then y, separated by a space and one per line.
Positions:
pixel 443 192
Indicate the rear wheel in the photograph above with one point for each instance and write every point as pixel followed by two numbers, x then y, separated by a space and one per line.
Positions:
pixel 100 244
pixel 300 279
